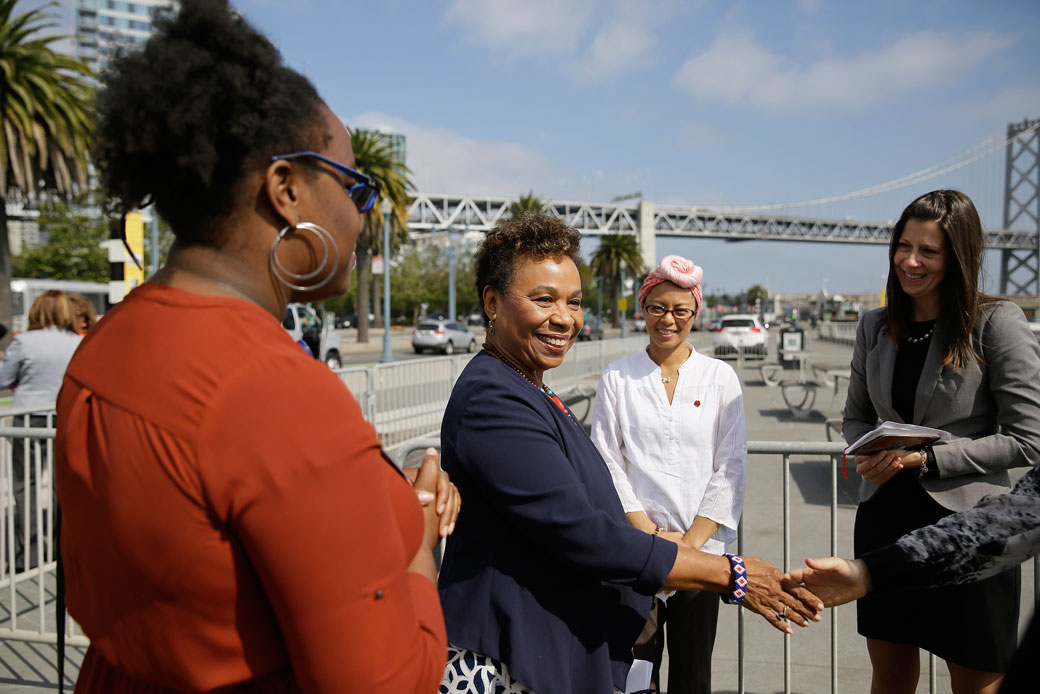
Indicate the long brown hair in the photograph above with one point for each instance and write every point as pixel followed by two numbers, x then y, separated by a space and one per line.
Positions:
pixel 960 297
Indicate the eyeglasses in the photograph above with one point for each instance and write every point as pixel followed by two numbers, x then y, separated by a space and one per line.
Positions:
pixel 681 313
pixel 365 189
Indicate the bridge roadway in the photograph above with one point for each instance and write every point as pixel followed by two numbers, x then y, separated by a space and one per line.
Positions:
pixel 29 668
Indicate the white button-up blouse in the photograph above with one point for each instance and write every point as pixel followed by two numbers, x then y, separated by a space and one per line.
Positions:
pixel 675 461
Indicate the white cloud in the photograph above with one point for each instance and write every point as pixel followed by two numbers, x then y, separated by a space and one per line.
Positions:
pixel 444 161
pixel 589 41
pixel 528 28
pixel 738 70
pixel 617 47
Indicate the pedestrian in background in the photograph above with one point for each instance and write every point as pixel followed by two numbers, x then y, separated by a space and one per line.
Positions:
pixel 34 365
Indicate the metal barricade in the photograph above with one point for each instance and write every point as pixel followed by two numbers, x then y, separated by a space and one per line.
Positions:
pixel 28 507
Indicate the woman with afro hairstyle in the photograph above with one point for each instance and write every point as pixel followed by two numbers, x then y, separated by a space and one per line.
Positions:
pixel 230 522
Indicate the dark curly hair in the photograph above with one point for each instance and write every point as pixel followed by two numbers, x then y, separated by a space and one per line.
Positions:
pixel 184 120
pixel 530 237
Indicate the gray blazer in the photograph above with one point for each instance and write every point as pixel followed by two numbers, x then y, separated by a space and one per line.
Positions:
pixel 992 409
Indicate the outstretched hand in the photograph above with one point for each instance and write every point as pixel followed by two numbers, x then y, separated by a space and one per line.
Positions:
pixel 836 580
pixel 777 598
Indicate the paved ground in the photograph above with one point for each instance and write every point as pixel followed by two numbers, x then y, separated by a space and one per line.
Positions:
pixel 26 668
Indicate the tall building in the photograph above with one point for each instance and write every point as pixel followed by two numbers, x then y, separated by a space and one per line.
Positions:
pixel 103 26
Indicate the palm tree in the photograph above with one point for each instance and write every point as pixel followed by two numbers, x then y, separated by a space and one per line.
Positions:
pixel 526 204
pixel 606 263
pixel 374 156
pixel 45 106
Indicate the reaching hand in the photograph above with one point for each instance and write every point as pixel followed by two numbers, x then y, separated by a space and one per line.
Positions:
pixel 836 580
pixel 777 598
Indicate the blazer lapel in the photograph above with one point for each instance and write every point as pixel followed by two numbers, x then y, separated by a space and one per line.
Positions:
pixel 884 357
pixel 930 374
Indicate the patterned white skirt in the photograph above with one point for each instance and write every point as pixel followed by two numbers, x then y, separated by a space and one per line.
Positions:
pixel 473 673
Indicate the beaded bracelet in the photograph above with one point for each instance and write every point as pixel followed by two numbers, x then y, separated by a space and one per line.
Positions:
pixel 739 581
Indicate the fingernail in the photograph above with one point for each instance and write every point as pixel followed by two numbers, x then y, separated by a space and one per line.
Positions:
pixel 431 451
pixel 440 509
pixel 451 528
pixel 426 497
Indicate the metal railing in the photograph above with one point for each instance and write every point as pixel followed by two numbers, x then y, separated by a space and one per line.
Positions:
pixel 405 400
pixel 841 332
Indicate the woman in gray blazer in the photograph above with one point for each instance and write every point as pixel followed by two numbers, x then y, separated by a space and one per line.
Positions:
pixel 943 355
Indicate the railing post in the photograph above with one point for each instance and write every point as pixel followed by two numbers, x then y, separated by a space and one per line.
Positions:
pixel 740 618
pixel 787 563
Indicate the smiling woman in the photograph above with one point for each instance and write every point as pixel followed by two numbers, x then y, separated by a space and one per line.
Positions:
pixel 544 584
pixel 942 355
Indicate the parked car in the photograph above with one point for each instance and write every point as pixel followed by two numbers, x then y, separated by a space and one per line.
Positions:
pixel 639 323
pixel 350 320
pixel 304 324
pixel 741 333
pixel 442 335
pixel 592 330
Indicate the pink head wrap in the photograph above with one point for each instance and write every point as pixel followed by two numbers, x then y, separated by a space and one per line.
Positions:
pixel 677 270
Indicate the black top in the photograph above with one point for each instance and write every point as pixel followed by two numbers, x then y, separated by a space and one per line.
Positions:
pixel 909 365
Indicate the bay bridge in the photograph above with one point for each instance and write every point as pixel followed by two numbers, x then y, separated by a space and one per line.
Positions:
pixel 1016 234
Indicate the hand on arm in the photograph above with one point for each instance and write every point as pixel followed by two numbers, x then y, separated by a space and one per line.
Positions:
pixel 835 580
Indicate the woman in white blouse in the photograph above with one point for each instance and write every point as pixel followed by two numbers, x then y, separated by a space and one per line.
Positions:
pixel 669 422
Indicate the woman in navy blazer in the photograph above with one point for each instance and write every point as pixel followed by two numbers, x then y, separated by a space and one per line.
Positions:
pixel 545 586
pixel 945 356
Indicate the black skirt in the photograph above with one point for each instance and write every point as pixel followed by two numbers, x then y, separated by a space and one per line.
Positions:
pixel 974 625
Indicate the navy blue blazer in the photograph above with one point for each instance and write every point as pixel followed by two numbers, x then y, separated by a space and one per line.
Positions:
pixel 543 571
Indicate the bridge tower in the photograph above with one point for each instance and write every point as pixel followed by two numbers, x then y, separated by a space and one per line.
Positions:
pixel 1020 268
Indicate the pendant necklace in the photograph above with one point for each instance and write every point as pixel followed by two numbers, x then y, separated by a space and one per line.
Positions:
pixel 545 389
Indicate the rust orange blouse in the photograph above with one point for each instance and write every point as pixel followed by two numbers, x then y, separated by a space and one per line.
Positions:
pixel 229 521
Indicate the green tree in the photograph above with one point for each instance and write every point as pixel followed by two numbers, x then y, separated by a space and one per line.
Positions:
pixel 45 105
pixel 374 156
pixel 526 204
pixel 757 293
pixel 606 263
pixel 73 250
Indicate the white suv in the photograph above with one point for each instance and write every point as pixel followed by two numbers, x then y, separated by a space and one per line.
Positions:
pixel 741 332
pixel 303 323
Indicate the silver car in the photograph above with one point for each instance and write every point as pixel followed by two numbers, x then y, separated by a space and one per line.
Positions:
pixel 442 335
pixel 741 332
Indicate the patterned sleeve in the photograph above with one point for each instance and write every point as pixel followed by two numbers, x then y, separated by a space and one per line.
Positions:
pixel 1000 532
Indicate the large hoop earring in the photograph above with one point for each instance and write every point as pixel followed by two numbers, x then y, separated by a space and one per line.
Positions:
pixel 291 279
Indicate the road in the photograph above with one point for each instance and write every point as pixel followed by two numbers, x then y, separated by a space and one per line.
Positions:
pixel 355 354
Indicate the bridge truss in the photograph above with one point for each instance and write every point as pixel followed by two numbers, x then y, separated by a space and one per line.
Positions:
pixel 1020 267
pixel 432 212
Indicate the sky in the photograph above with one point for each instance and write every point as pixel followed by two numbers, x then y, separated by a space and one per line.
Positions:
pixel 697 103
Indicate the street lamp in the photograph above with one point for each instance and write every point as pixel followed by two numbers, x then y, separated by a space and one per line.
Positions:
pixel 451 273
pixel 388 354
pixel 624 332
